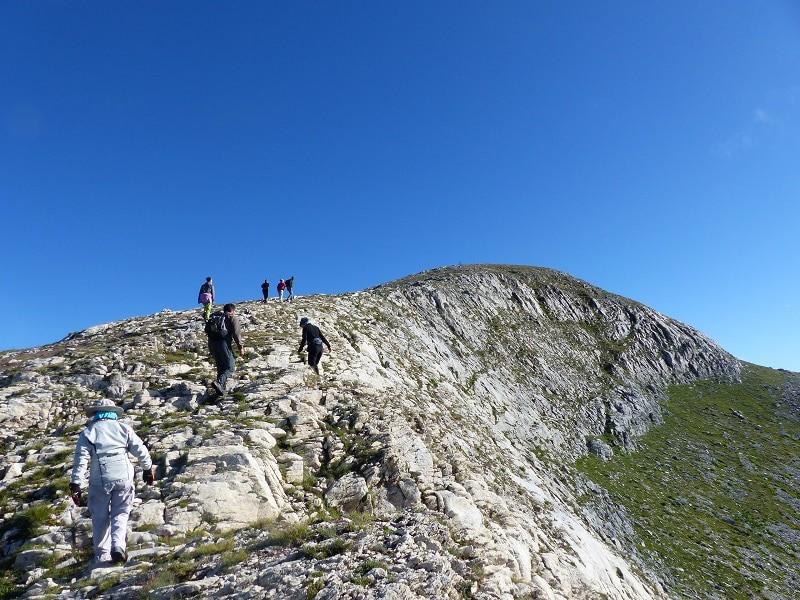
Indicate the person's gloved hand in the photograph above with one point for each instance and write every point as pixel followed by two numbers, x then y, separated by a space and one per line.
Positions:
pixel 149 476
pixel 75 494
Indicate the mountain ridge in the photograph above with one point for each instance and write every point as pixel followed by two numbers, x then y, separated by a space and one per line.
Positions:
pixel 450 412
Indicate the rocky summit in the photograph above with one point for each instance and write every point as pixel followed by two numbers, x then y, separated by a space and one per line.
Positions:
pixel 477 432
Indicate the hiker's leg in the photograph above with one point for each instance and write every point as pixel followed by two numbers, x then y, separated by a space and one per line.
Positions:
pixel 227 364
pixel 121 503
pixel 220 359
pixel 98 502
pixel 207 310
pixel 314 354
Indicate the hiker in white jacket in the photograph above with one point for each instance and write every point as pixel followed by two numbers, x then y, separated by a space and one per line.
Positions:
pixel 103 448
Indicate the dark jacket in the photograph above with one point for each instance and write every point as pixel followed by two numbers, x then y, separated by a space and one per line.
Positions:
pixel 233 327
pixel 290 283
pixel 265 286
pixel 310 333
pixel 208 288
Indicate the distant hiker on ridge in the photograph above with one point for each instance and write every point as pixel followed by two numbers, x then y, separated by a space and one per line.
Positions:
pixel 289 287
pixel 206 298
pixel 281 288
pixel 223 329
pixel 265 290
pixel 103 448
pixel 314 338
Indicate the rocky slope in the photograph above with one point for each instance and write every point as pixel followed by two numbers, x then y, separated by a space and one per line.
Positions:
pixel 435 457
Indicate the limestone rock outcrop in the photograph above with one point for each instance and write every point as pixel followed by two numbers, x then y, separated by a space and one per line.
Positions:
pixel 429 460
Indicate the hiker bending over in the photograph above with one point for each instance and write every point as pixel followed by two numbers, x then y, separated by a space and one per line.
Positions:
pixel 206 298
pixel 289 288
pixel 223 329
pixel 265 290
pixel 103 448
pixel 314 338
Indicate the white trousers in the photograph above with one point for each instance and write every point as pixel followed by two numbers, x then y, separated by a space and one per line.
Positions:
pixel 110 506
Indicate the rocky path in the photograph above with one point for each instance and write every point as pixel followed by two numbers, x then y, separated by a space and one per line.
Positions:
pixel 242 507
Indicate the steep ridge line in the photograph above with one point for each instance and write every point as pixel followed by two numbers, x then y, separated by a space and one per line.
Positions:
pixel 432 458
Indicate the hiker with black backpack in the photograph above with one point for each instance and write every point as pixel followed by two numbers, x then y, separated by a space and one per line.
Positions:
pixel 223 330
pixel 314 338
pixel 102 449
pixel 206 298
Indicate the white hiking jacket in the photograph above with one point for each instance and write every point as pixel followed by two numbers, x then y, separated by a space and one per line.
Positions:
pixel 105 445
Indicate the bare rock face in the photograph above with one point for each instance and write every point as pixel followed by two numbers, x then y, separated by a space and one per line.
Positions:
pixel 148 513
pixel 347 493
pixel 229 486
pixel 431 459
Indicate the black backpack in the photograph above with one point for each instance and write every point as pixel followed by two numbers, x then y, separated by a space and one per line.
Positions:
pixel 217 326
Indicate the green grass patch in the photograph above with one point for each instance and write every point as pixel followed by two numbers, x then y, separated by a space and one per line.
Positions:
pixel 178 356
pixel 59 457
pixel 289 535
pixel 169 574
pixel 262 524
pixel 65 574
pixel 359 521
pixel 8 588
pixel 314 588
pixel 29 521
pixel 107 583
pixel 232 558
pixel 309 480
pixel 213 548
pixel 370 564
pixel 713 491
pixel 285 534
pixel 327 548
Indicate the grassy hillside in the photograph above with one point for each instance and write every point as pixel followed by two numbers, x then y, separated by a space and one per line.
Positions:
pixel 715 491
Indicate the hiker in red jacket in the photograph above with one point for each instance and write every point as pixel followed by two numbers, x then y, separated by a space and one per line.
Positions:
pixel 281 289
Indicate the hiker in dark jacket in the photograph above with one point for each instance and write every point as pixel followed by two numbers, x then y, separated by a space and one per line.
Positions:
pixel 206 297
pixel 314 338
pixel 223 330
pixel 265 290
pixel 289 288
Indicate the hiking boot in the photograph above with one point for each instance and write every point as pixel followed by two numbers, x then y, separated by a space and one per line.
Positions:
pixel 316 369
pixel 220 390
pixel 118 556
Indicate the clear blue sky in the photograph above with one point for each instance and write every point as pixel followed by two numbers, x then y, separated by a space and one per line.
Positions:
pixel 651 148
